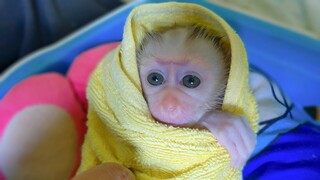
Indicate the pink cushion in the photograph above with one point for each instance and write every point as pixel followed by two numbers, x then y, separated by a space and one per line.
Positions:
pixel 82 67
pixel 52 88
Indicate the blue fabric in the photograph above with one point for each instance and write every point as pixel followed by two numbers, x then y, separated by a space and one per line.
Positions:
pixel 28 25
pixel 295 118
pixel 294 155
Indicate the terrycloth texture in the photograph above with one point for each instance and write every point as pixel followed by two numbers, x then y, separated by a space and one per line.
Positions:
pixel 120 126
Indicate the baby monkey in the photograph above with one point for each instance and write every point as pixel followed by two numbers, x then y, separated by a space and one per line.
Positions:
pixel 184 73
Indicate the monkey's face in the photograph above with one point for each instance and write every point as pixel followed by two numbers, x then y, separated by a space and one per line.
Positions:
pixel 181 81
pixel 174 91
pixel 180 92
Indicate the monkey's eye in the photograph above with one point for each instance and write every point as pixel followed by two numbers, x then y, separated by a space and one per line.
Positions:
pixel 155 79
pixel 191 81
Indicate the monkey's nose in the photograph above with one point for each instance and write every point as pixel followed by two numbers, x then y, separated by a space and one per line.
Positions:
pixel 171 105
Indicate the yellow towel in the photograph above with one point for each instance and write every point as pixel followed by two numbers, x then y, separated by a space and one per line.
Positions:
pixel 120 126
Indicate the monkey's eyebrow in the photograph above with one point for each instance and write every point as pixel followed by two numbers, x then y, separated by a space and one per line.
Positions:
pixel 181 62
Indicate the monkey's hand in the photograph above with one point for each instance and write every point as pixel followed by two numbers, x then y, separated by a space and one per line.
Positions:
pixel 232 132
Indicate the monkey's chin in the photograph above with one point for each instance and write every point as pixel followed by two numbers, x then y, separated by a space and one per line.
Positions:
pixel 176 122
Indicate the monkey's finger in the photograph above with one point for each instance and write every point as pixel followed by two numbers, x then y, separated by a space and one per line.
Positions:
pixel 225 139
pixel 251 134
pixel 236 147
pixel 242 148
pixel 247 135
pixel 249 139
pixel 252 139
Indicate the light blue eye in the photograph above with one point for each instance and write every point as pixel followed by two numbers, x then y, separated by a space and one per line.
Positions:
pixel 155 79
pixel 191 81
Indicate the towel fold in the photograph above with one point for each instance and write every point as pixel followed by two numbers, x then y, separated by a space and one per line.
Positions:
pixel 120 126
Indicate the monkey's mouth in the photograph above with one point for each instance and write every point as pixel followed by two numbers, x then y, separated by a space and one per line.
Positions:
pixel 180 114
pixel 176 120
